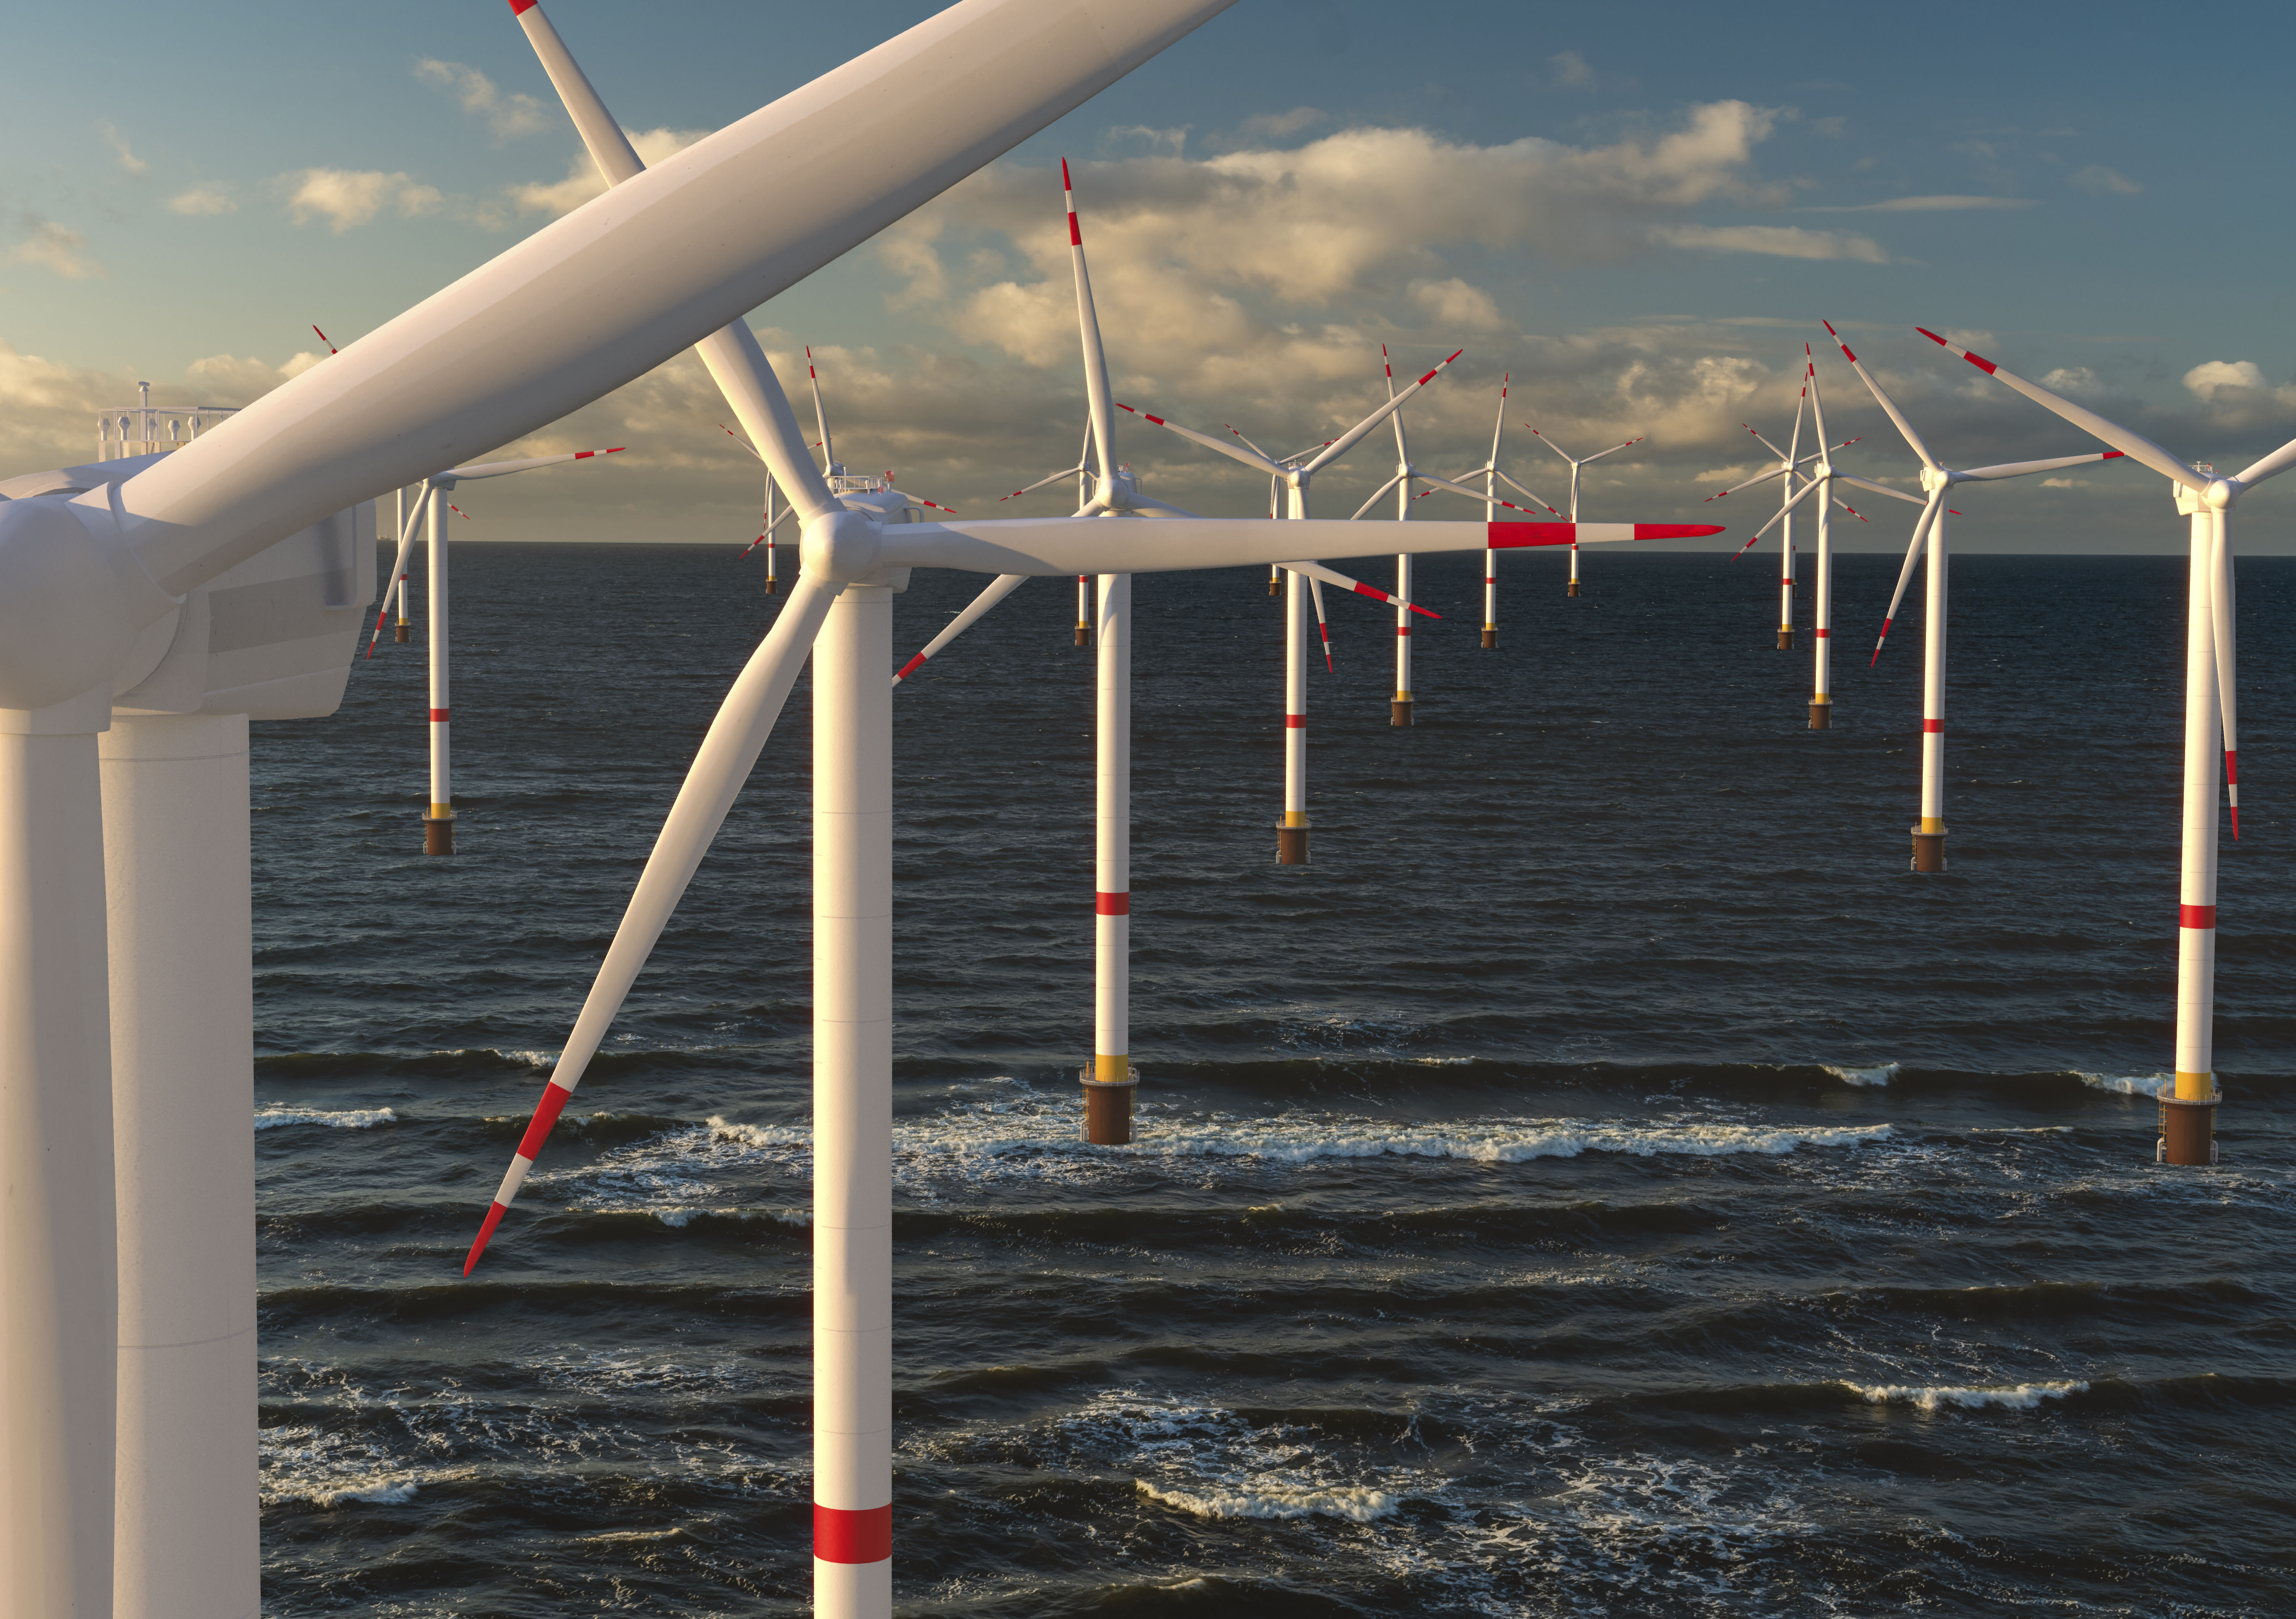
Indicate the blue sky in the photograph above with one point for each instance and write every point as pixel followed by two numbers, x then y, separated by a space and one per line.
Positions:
pixel 1640 211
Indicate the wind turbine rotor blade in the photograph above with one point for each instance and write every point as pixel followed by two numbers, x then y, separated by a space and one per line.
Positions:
pixel 727 752
pixel 1888 404
pixel 1158 511
pixel 1803 496
pixel 500 469
pixel 2220 614
pixel 2018 468
pixel 1319 576
pixel 737 439
pixel 1315 591
pixel 1557 448
pixel 1499 430
pixel 1250 457
pixel 820 418
pixel 998 588
pixel 1379 493
pixel 1613 450
pixel 1816 398
pixel 1752 483
pixel 1526 494
pixel 2278 462
pixel 1069 546
pixel 1764 442
pixel 1040 483
pixel 1904 575
pixel 1095 357
pixel 2133 445
pixel 1354 435
pixel 1867 483
pixel 398 565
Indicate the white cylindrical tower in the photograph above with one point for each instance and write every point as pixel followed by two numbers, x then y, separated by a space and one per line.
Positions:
pixel 1821 634
pixel 2188 1114
pixel 58 1317
pixel 1929 837
pixel 1109 1084
pixel 439 821
pixel 176 878
pixel 853 1108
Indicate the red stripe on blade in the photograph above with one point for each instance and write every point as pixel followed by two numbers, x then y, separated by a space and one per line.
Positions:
pixel 852 1537
pixel 1076 236
pixel 910 667
pixel 1376 593
pixel 546 1115
pixel 495 1211
pixel 1105 904
pixel 1676 531
pixel 519 8
pixel 2196 916
pixel 1064 175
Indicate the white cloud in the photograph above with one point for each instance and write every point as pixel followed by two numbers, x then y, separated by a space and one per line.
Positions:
pixel 1925 205
pixel 2237 393
pixel 117 142
pixel 2100 181
pixel 583 181
pixel 349 198
pixel 205 198
pixel 54 247
pixel 2216 376
pixel 1571 70
pixel 508 116
pixel 1280 126
pixel 2072 379
pixel 1454 304
pixel 1173 140
pixel 1779 241
pixel 223 379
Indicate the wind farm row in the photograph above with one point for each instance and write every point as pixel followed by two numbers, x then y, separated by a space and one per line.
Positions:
pixel 124 943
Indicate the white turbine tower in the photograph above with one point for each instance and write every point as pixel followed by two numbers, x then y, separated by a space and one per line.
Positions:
pixel 438 820
pixel 90 580
pixel 1578 463
pixel 1930 530
pixel 2187 1114
pixel 1492 477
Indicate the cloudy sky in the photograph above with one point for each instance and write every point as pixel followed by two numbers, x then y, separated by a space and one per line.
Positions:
pixel 1640 212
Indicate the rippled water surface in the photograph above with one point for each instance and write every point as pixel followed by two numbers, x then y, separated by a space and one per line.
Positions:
pixel 1606 1181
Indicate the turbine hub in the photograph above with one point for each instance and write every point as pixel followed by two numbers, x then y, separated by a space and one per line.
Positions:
pixel 842 546
pixel 2221 492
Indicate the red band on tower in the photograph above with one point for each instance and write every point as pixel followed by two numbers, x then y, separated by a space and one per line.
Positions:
pixel 1105 904
pixel 1935 727
pixel 2196 916
pixel 852 1537
pixel 439 716
pixel 1296 722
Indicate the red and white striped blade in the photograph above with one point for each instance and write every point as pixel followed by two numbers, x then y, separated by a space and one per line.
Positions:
pixel 2220 625
pixel 727 752
pixel 499 469
pixel 1888 404
pixel 2018 469
pixel 2120 437
pixel 1319 576
pixel 1904 575
pixel 1323 626
pixel 1236 451
pixel 1354 435
pixel 398 565
pixel 998 588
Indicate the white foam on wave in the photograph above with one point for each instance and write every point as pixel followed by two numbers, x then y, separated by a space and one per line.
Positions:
pixel 2130 1085
pixel 1018 1133
pixel 354 1118
pixel 1880 1074
pixel 1935 1397
pixel 1357 1504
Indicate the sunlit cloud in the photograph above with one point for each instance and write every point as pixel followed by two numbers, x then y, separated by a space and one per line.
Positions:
pixel 349 198
pixel 508 116
pixel 56 247
pixel 206 198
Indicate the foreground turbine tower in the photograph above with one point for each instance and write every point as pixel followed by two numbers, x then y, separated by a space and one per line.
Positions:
pixel 2188 1112
pixel 585 304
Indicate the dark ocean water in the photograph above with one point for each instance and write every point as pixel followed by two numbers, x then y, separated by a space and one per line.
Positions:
pixel 1606 1181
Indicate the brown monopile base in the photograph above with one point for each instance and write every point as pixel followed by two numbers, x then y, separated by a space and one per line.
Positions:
pixel 1490 637
pixel 1400 714
pixel 2188 1129
pixel 1291 845
pixel 1785 641
pixel 1821 716
pixel 1273 586
pixel 1084 635
pixel 438 835
pixel 1574 587
pixel 1108 1111
pixel 1928 851
pixel 402 636
pixel 771 585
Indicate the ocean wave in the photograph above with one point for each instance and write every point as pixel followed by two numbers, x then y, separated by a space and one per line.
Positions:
pixel 1355 1504
pixel 2126 1084
pixel 1934 1397
pixel 353 1118
pixel 1880 1074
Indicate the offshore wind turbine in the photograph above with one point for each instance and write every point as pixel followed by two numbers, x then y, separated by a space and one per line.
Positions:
pixel 438 820
pixel 1492 477
pixel 1295 475
pixel 2188 1110
pixel 1930 529
pixel 1578 463
pixel 1401 483
pixel 88 577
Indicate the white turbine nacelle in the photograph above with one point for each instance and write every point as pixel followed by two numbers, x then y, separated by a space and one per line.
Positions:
pixel 271 638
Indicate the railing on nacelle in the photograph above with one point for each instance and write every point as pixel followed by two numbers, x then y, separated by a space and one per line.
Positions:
pixel 145 428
